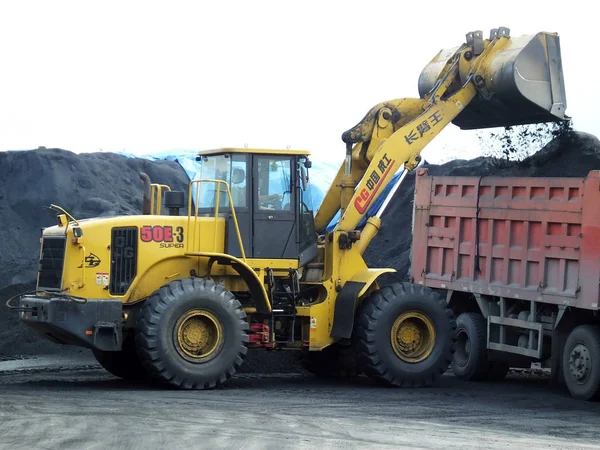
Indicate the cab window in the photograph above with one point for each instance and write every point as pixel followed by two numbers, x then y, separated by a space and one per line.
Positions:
pixel 238 181
pixel 274 183
pixel 229 168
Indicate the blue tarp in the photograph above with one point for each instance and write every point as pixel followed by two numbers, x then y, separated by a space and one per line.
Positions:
pixel 321 175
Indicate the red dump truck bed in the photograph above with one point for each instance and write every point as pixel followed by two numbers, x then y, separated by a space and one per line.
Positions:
pixel 536 239
pixel 518 260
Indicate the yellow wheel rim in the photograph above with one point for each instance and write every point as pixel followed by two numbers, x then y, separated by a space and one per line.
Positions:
pixel 199 335
pixel 412 337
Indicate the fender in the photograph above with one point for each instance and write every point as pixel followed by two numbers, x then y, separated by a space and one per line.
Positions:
pixel 255 284
pixel 347 300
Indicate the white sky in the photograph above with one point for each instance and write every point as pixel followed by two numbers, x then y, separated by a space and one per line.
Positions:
pixel 149 76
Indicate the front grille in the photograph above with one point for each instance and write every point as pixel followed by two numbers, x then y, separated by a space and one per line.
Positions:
pixel 52 262
pixel 123 264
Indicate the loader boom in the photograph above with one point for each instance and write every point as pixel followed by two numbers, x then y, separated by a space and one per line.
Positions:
pixel 394 133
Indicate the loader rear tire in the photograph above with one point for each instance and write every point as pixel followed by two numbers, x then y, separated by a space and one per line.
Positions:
pixel 336 361
pixel 123 364
pixel 405 335
pixel 192 334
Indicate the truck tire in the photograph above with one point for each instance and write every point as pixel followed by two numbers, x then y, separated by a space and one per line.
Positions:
pixel 470 361
pixel 557 375
pixel 405 335
pixel 124 364
pixel 192 334
pixel 336 361
pixel 581 362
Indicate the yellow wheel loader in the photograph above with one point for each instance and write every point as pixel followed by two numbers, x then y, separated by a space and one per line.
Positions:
pixel 242 262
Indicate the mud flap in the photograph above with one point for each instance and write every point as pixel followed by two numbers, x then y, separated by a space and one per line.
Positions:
pixel 345 305
pixel 107 336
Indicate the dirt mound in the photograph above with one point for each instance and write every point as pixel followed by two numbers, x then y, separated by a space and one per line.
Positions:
pixel 570 154
pixel 86 185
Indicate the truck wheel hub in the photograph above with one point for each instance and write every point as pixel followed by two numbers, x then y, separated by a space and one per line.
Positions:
pixel 463 347
pixel 412 337
pixel 580 363
pixel 199 335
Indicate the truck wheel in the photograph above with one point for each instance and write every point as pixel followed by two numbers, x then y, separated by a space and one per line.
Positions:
pixel 405 335
pixel 336 361
pixel 123 364
pixel 192 334
pixel 557 375
pixel 470 358
pixel 581 362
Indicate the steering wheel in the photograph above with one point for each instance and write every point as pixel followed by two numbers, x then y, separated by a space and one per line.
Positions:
pixel 271 203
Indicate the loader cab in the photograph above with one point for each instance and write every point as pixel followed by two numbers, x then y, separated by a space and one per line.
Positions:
pixel 271 197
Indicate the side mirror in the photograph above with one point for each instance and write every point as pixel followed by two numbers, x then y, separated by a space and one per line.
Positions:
pixel 303 177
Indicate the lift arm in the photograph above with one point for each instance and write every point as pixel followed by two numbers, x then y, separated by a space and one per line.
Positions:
pixel 394 133
pixel 391 134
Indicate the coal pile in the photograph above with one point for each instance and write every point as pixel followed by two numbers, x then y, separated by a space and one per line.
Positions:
pixel 569 154
pixel 86 185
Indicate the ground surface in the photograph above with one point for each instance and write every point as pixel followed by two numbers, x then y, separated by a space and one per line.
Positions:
pixel 73 404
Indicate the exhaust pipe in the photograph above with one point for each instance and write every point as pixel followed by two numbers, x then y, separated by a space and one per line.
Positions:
pixel 146 205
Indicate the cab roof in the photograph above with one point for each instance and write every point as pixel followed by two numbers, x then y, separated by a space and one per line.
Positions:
pixel 263 151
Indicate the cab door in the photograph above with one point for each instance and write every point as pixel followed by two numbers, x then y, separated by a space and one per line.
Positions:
pixel 274 207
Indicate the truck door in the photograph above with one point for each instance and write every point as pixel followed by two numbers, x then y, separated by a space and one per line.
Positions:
pixel 275 205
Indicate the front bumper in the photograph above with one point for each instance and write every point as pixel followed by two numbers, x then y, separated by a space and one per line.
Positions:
pixel 95 324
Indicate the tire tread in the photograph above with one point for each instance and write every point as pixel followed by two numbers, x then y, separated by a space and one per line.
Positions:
pixel 371 312
pixel 593 331
pixel 148 330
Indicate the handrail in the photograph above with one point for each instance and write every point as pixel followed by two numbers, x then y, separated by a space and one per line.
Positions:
pixel 157 190
pixel 82 253
pixel 193 230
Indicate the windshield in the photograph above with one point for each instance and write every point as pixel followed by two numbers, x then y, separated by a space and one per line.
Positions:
pixel 229 168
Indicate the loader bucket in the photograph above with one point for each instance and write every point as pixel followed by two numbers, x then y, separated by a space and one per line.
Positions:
pixel 523 83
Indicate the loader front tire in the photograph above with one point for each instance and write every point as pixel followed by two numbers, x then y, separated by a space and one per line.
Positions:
pixel 405 335
pixel 192 334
